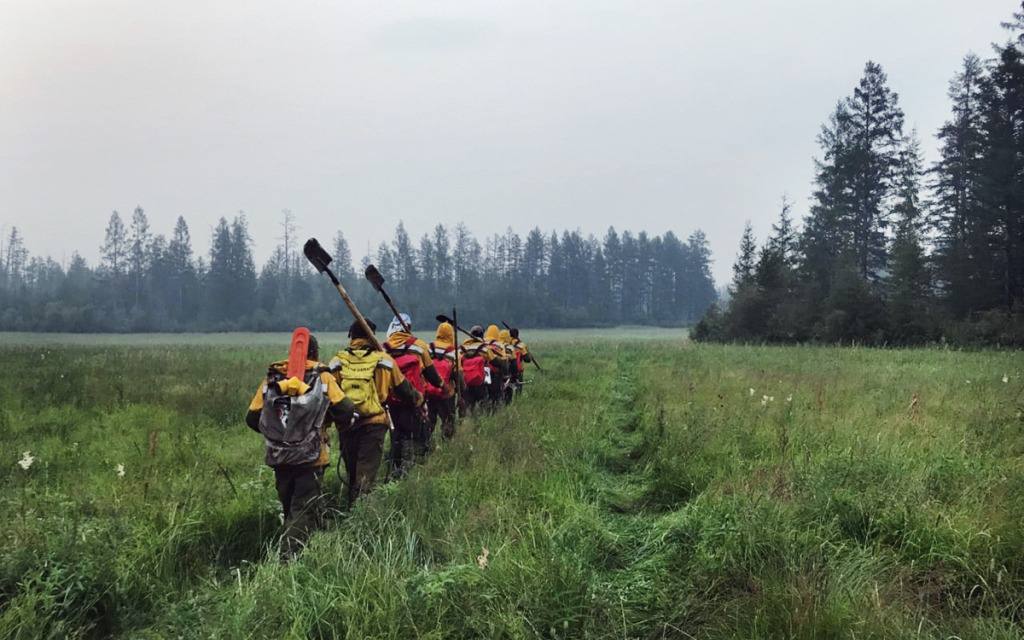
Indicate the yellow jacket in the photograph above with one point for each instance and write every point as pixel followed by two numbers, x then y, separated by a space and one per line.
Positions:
pixel 399 339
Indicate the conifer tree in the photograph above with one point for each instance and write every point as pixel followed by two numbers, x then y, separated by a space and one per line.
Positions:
pixel 956 212
pixel 746 260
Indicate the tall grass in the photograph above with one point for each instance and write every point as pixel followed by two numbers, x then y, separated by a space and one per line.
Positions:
pixel 638 490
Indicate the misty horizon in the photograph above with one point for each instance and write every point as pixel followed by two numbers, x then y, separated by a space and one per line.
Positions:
pixel 576 116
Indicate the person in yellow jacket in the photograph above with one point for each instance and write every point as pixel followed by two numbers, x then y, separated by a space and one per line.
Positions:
pixel 499 365
pixel 510 383
pixel 411 438
pixel 476 357
pixel 524 356
pixel 368 378
pixel 292 415
pixel 441 398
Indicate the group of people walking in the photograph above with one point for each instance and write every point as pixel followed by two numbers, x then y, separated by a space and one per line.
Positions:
pixel 404 390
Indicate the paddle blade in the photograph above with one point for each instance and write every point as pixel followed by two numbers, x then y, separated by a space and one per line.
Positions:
pixel 375 277
pixel 297 353
pixel 316 255
pixel 443 318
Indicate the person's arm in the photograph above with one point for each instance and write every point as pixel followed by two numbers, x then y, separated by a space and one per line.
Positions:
pixel 427 362
pixel 431 375
pixel 407 393
pixel 341 413
pixel 252 416
pixel 252 420
pixel 341 409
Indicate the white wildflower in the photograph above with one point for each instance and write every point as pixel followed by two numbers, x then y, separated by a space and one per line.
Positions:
pixel 1006 378
pixel 968 382
pixel 119 470
pixel 789 398
pixel 26 460
pixel 764 401
pixel 751 392
pixel 771 398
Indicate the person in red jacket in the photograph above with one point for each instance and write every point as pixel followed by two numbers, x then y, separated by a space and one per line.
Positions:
pixel 441 399
pixel 476 358
pixel 411 438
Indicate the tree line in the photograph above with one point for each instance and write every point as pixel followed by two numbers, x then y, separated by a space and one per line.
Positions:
pixel 150 282
pixel 891 251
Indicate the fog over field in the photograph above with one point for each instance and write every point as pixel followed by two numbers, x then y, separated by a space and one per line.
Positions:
pixel 661 116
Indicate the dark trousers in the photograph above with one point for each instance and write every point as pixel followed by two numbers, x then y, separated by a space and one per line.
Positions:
pixel 362 447
pixel 407 440
pixel 495 393
pixel 508 388
pixel 299 489
pixel 442 409
pixel 476 398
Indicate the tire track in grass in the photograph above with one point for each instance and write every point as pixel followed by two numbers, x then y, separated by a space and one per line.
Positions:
pixel 625 482
pixel 639 573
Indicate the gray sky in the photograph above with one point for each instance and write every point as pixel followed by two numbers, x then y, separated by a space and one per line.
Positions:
pixel 644 115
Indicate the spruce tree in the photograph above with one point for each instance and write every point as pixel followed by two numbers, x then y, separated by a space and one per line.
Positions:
pixel 182 270
pixel 875 128
pixel 218 295
pixel 825 233
pixel 114 252
pixel 1002 165
pixel 139 256
pixel 956 213
pixel 909 281
pixel 746 260
pixel 342 255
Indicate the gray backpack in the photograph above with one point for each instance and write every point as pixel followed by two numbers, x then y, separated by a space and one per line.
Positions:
pixel 292 425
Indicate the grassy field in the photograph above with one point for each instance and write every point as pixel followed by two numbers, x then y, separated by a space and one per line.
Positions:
pixel 642 488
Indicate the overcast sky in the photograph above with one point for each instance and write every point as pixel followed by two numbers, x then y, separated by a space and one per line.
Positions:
pixel 649 116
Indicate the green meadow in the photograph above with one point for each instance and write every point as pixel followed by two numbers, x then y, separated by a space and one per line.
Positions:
pixel 643 487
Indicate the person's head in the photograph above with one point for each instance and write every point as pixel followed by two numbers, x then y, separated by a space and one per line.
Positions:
pixel 356 330
pixel 396 323
pixel 445 333
pixel 477 332
pixel 492 332
pixel 313 348
pixel 515 333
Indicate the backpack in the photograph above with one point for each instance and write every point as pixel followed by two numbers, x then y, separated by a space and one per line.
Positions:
pixel 473 368
pixel 444 366
pixel 408 359
pixel 520 353
pixel 357 379
pixel 292 425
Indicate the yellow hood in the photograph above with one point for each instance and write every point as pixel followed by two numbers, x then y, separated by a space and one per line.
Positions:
pixel 505 337
pixel 491 333
pixel 398 338
pixel 445 335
